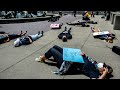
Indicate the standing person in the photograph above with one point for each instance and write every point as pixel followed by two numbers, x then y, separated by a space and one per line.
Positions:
pixel 105 13
pixel 86 16
pixel 92 14
pixel 108 15
pixel 74 13
pixel 89 68
pixel 97 12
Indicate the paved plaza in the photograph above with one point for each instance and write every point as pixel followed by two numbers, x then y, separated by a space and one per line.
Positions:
pixel 19 62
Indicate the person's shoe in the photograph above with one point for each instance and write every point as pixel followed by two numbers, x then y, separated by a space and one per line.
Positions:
pixel 67 23
pixel 40 59
pixel 87 25
pixel 70 28
pixel 65 28
pixel 42 33
pixel 21 32
pixel 24 33
pixel 38 32
pixel 95 23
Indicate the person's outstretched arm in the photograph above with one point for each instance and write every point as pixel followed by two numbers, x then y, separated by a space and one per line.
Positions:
pixel 29 39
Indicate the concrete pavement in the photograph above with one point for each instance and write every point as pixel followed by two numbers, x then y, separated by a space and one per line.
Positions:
pixel 18 63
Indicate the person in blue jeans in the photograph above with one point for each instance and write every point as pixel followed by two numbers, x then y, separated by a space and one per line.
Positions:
pixel 92 70
pixel 27 39
pixel 83 24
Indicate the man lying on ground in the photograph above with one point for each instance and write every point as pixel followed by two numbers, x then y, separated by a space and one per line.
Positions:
pixel 27 39
pixel 66 34
pixel 88 21
pixel 83 24
pixel 89 68
pixel 6 37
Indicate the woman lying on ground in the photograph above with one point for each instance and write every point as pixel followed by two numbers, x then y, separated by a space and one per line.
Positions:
pixel 89 68
pixel 27 39
pixel 108 37
pixel 66 34
pixel 6 37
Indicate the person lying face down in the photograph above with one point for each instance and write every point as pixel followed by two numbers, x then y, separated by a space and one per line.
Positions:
pixel 27 39
pixel 83 24
pixel 91 69
pixel 66 34
pixel 6 37
pixel 108 37
pixel 90 22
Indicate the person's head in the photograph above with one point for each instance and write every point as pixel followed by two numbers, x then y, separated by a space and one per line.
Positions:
pixel 110 39
pixel 102 66
pixel 64 39
pixel 85 11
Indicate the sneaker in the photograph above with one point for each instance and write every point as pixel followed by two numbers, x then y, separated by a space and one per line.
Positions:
pixel 39 59
pixel 42 32
pixel 67 23
pixel 65 28
pixel 21 32
pixel 38 32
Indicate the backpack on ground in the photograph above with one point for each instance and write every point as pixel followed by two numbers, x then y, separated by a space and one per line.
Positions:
pixel 116 49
